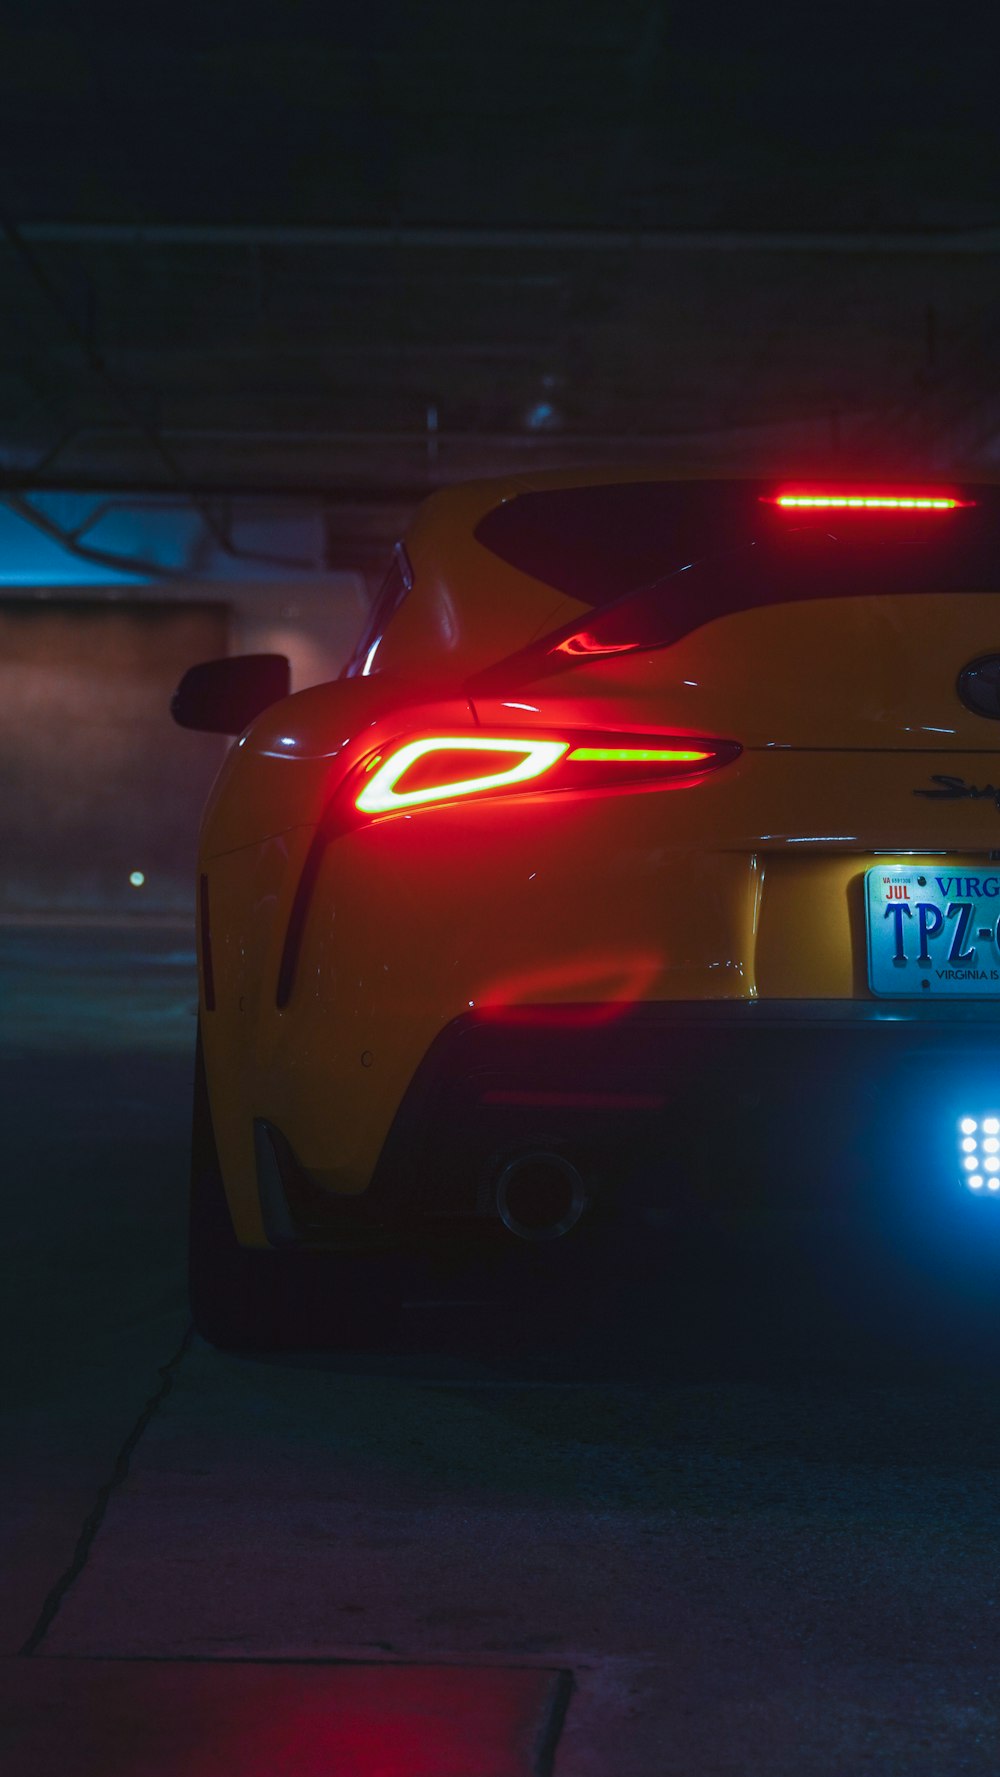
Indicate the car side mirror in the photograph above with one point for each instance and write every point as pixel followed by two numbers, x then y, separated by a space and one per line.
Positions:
pixel 223 696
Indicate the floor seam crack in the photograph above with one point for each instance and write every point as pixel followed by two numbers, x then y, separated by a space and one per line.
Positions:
pixel 95 1517
pixel 553 1722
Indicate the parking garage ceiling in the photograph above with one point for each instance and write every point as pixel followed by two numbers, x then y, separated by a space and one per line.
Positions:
pixel 351 253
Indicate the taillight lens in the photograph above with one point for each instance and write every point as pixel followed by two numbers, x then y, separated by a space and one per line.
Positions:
pixel 447 767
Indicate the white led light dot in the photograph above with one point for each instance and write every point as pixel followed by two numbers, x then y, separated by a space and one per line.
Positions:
pixel 994 1184
pixel 977 1183
pixel 992 1164
pixel 970 1164
pixel 991 1145
pixel 969 1144
pixel 968 1126
pixel 991 1125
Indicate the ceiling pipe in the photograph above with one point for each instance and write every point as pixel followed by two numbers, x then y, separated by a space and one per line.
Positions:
pixel 68 540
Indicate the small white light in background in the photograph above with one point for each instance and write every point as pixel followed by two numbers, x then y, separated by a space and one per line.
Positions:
pixel 977 1183
pixel 991 1145
pixel 970 1163
pixel 992 1164
pixel 968 1126
pixel 991 1126
pixel 969 1144
pixel 137 878
pixel 994 1184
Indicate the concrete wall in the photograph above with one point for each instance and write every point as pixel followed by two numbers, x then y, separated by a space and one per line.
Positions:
pixel 96 782
pixel 316 628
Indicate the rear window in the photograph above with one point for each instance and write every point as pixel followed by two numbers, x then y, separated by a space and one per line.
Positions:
pixel 598 543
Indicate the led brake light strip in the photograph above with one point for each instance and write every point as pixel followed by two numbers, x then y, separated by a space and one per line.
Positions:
pixel 868 502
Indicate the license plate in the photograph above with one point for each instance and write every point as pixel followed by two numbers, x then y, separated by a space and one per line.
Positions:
pixel 933 931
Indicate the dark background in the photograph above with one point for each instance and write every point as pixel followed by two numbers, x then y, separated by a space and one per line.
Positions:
pixel 268 274
pixel 355 250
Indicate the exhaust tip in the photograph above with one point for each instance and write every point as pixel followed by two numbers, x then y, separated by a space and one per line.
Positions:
pixel 540 1196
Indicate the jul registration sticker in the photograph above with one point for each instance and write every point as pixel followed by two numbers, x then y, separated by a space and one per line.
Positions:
pixel 933 932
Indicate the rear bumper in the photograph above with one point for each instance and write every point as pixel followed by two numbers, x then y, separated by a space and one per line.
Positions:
pixel 695 1110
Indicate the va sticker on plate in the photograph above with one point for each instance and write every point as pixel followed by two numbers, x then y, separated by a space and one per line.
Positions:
pixel 932 931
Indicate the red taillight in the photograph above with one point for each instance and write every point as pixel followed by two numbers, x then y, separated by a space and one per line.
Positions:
pixel 382 792
pixel 445 768
pixel 863 500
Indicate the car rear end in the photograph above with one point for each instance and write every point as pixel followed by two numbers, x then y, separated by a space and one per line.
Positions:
pixel 744 963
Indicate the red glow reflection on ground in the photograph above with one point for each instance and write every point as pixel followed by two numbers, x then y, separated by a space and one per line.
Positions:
pixel 582 991
pixel 220 1718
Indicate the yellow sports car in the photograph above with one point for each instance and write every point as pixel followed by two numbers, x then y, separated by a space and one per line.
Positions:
pixel 653 828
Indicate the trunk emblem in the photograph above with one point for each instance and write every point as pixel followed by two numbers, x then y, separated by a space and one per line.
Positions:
pixel 953 789
pixel 979 686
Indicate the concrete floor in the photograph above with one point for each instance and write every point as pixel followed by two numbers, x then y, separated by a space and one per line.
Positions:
pixel 760 1533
